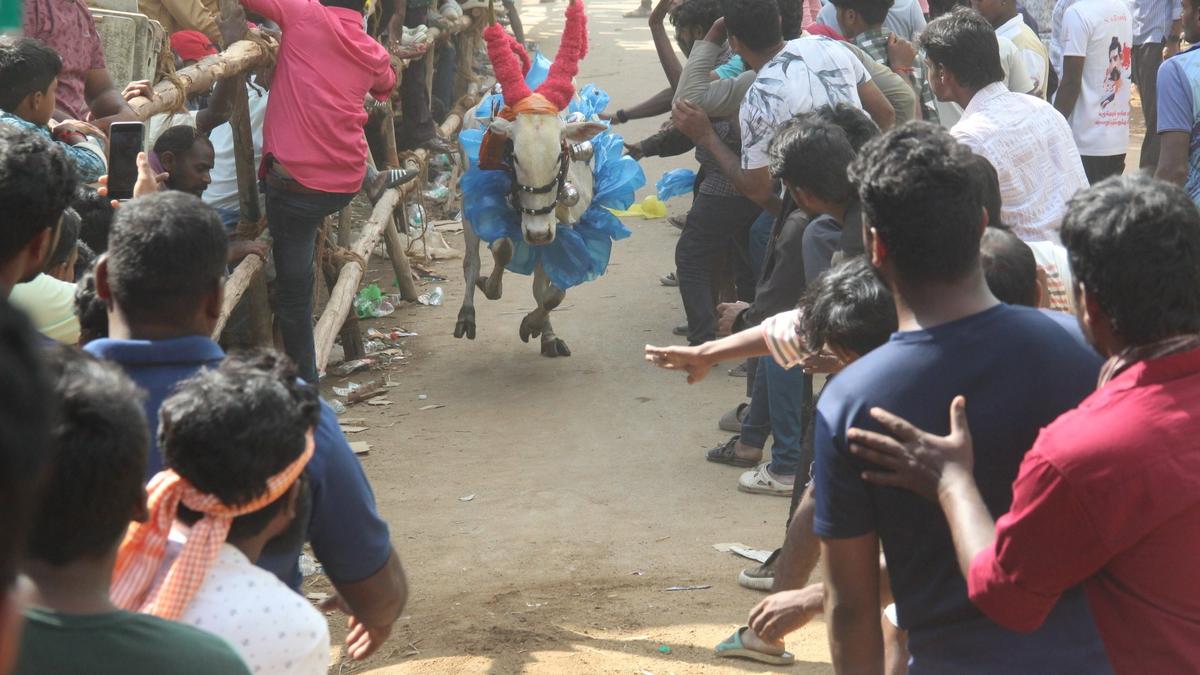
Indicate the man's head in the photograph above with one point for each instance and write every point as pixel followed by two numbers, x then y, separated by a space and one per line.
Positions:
pixel 28 78
pixel 754 27
pixel 1009 267
pixel 61 263
pixel 847 311
pixel 922 213
pixel 230 429
pixel 791 18
pixel 26 413
pixel 96 213
pixel 692 19
pixel 987 182
pixel 99 448
pixel 36 184
pixel 188 157
pixel 165 266
pixel 857 16
pixel 995 11
pixel 90 309
pixel 1134 247
pixel 811 157
pixel 1191 21
pixel 962 55
pixel 857 124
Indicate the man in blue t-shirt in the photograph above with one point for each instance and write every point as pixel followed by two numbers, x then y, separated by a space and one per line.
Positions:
pixel 163 279
pixel 923 222
pixel 1179 110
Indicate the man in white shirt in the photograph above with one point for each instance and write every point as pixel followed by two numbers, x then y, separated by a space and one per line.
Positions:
pixel 1094 92
pixel 1024 137
pixel 1008 22
pixel 1016 78
pixel 222 192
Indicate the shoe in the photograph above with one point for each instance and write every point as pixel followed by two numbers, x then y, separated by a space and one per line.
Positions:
pixel 760 578
pixel 677 221
pixel 761 482
pixel 681 330
pixel 732 420
pixel 668 280
pixel 739 370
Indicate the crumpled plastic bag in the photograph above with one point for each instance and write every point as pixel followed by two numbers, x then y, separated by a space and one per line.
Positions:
pixel 649 208
pixel 675 183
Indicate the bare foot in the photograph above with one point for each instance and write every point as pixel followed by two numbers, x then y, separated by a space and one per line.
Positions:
pixel 748 452
pixel 751 640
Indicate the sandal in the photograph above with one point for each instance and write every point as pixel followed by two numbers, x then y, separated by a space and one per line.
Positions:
pixel 732 647
pixel 761 482
pixel 725 454
pixel 732 420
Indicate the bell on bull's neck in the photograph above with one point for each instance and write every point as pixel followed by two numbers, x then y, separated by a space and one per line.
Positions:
pixel 568 194
pixel 582 152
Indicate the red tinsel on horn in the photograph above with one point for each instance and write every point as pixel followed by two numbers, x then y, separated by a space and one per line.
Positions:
pixel 505 63
pixel 559 86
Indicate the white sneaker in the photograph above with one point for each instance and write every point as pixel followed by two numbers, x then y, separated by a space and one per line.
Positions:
pixel 761 482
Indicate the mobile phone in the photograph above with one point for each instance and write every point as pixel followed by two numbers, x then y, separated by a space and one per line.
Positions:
pixel 124 144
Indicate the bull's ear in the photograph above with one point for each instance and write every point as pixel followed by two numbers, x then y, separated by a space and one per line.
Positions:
pixel 501 127
pixel 578 132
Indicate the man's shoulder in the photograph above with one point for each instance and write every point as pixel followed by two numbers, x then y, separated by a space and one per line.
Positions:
pixel 187 644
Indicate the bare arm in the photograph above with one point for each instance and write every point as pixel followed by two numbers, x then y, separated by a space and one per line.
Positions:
pixel 104 100
pixel 373 604
pixel 1173 156
pixel 801 547
pixel 698 360
pixel 220 104
pixel 658 104
pixel 877 105
pixel 1069 86
pixel 754 184
pixel 970 522
pixel 851 570
pixel 662 43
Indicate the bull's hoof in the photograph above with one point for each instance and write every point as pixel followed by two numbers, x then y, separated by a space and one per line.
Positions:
pixel 555 348
pixel 466 323
pixel 530 328
pixel 491 291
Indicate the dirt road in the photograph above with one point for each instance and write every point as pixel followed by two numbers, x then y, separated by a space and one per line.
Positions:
pixel 591 494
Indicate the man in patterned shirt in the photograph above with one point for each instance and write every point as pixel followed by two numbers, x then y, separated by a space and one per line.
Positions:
pixel 862 23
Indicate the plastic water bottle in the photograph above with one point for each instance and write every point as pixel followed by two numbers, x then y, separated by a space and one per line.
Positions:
pixel 435 296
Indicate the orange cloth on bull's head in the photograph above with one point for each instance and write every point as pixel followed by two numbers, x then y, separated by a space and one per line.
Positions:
pixel 491 151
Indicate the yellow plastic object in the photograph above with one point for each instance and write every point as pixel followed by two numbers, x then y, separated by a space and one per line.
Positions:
pixel 649 208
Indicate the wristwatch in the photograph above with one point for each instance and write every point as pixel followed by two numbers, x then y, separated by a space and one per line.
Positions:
pixel 621 116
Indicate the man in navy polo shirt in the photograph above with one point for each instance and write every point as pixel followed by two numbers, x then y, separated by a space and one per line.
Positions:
pixel 163 279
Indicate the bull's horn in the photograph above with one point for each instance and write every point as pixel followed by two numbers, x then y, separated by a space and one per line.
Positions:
pixel 559 86
pixel 509 72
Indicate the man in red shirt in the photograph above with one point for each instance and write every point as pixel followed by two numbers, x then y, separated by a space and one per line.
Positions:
pixel 1109 495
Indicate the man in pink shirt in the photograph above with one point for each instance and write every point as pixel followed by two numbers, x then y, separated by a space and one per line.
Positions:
pixel 314 152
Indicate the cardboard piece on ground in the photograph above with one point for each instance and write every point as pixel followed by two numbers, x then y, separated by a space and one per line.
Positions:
pixel 379 400
pixel 352 429
pixel 352 421
pixel 433 406
pixel 755 554
pixel 361 448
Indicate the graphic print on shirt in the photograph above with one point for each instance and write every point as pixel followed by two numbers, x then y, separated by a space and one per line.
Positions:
pixel 1119 60
pixel 1099 32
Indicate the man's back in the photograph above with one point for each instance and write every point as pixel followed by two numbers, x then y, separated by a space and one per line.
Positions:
pixel 1031 146
pixel 1018 370
pixel 120 643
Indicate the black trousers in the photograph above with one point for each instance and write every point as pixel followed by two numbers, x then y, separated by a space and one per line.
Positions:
pixel 715 226
pixel 416 127
pixel 1099 168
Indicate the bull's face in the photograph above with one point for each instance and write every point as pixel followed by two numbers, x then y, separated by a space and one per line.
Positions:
pixel 539 160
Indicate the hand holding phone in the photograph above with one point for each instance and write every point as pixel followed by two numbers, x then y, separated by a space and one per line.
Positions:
pixel 124 144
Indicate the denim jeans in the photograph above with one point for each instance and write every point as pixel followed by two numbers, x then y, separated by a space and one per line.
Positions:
pixel 777 408
pixel 294 219
pixel 714 227
pixel 760 239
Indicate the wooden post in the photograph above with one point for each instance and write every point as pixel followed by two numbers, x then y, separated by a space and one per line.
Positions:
pixel 243 154
pixel 352 341
pixel 239 58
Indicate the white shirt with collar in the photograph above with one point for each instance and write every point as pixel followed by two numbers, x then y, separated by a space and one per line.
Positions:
pixel 1032 148
pixel 1016 78
pixel 1037 59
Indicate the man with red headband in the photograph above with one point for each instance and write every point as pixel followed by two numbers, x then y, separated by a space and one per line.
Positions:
pixel 236 440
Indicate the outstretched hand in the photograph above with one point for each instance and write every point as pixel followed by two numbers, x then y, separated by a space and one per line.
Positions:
pixel 148 182
pixel 688 359
pixel 363 640
pixel 912 458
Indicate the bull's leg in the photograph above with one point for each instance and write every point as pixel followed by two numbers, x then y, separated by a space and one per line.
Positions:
pixel 493 284
pixel 537 322
pixel 466 315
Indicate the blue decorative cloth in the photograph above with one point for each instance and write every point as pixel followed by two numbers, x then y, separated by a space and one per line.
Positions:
pixel 675 183
pixel 579 252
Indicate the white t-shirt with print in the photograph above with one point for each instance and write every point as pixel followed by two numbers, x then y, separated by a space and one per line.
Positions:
pixel 1101 31
pixel 808 73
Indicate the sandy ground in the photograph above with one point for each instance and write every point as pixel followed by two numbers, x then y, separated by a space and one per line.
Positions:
pixel 591 495
pixel 591 492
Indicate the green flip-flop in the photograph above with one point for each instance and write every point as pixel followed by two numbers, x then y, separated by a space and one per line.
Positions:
pixel 732 647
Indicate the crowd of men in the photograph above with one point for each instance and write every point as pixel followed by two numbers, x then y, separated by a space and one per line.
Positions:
pixel 933 217
pixel 929 214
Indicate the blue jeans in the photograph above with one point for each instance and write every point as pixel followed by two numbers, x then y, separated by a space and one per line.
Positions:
pixel 760 238
pixel 777 408
pixel 294 218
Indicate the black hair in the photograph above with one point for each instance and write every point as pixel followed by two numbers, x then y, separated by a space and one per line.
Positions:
pixel 178 140
pixel 356 5
pixel 1009 267
pixel 872 11
pixel 90 309
pixel 918 193
pixel 964 43
pixel 696 13
pixel 96 213
pixel 84 261
pixel 229 429
pixel 849 307
pixel 755 23
pixel 27 66
pixel 165 252
pixel 36 184
pixel 791 18
pixel 100 445
pixel 1134 243
pixel 68 239
pixel 812 155
pixel 940 7
pixel 27 411
pixel 987 182
pixel 857 124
